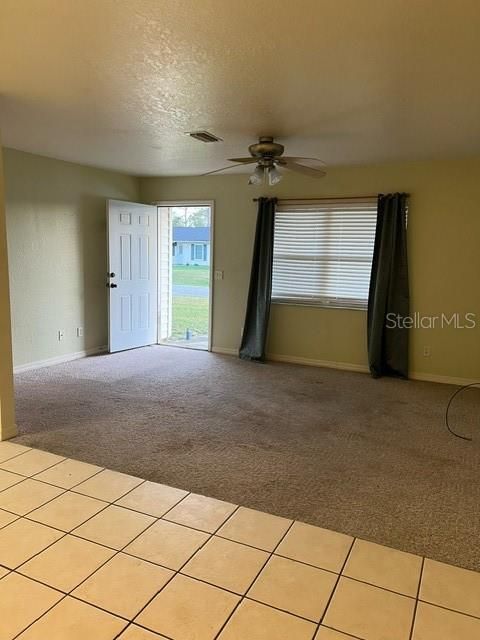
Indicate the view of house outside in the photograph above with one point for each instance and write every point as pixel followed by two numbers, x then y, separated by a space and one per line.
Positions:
pixel 190 276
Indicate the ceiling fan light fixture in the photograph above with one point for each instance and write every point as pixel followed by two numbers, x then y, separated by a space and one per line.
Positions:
pixel 274 176
pixel 266 154
pixel 258 176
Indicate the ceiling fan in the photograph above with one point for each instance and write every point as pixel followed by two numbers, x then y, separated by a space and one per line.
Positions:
pixel 268 157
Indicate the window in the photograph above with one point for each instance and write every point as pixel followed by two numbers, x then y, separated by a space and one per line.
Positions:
pixel 323 252
pixel 198 252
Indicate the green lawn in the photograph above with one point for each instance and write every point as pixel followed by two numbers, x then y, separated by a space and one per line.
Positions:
pixel 189 313
pixel 191 275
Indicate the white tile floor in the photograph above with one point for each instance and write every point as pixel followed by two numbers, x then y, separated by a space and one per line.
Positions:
pixel 87 553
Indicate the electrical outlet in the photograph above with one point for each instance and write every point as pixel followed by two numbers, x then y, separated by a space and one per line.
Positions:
pixel 218 275
pixel 61 334
pixel 427 352
pixel 79 332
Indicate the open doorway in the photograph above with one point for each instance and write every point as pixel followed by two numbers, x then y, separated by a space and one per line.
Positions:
pixel 185 242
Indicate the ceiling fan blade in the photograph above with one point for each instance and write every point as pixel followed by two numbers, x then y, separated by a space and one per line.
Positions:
pixel 248 160
pixel 298 159
pixel 293 165
pixel 232 166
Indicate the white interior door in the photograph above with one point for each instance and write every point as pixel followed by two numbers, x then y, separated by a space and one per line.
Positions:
pixel 132 274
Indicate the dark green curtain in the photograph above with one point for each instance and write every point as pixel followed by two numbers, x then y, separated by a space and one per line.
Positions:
pixel 389 292
pixel 260 292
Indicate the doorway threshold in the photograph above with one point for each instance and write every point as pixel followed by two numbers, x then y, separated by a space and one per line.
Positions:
pixel 199 342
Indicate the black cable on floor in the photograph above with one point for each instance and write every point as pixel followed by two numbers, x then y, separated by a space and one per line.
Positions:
pixel 447 424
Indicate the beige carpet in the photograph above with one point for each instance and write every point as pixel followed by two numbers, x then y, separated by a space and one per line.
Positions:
pixel 366 457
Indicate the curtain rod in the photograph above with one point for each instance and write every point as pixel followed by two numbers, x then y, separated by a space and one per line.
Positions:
pixel 330 198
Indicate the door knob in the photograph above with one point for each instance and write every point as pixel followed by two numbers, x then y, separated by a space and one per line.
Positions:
pixel 111 275
pixel 113 285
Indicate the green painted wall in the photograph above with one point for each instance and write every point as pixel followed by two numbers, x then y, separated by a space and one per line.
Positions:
pixel 57 247
pixel 444 233
pixel 56 229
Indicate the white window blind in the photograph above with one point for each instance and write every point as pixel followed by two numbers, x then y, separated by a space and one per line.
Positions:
pixel 323 252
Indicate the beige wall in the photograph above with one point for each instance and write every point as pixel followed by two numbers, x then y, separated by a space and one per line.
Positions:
pixel 7 413
pixel 444 238
pixel 57 246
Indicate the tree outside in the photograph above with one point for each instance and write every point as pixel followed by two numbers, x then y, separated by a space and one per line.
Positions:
pixel 191 216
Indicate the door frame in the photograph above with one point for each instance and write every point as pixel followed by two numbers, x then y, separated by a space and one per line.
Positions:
pixel 200 203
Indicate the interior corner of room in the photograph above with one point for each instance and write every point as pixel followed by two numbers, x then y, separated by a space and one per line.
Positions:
pixel 239 320
pixel 57 255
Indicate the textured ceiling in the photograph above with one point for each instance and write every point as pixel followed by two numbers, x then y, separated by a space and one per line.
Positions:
pixel 116 83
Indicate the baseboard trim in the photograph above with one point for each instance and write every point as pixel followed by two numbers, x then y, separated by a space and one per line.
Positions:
pixel 349 366
pixel 274 357
pixel 328 364
pixel 68 357
pixel 431 377
pixel 225 351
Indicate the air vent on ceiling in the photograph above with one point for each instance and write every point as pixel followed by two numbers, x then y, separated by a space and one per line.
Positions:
pixel 203 136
